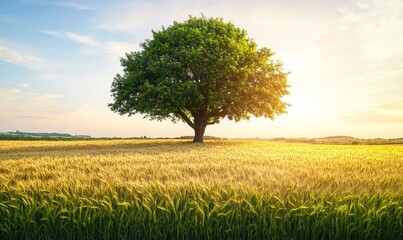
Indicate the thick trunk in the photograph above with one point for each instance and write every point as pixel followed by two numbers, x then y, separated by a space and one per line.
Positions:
pixel 199 128
pixel 199 125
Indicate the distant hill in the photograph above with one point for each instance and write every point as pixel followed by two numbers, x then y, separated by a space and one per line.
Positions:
pixel 17 135
pixel 342 140
pixel 338 137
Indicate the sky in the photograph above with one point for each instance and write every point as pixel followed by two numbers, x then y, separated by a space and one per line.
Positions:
pixel 58 60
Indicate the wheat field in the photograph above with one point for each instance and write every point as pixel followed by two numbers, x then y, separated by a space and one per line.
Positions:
pixel 222 189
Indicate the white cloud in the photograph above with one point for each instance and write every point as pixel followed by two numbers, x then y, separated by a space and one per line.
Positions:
pixel 53 33
pixel 18 96
pixel 365 45
pixel 30 110
pixel 86 40
pixel 375 28
pixel 67 4
pixel 133 15
pixel 74 5
pixel 24 85
pixel 389 113
pixel 361 4
pixel 18 57
pixel 16 104
pixel 112 47
pixel 82 39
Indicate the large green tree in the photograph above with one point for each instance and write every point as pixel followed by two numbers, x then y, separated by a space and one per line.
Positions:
pixel 200 71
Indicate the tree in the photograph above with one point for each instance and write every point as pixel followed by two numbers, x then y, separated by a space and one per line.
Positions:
pixel 200 71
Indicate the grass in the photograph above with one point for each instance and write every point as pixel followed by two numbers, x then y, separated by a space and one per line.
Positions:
pixel 170 189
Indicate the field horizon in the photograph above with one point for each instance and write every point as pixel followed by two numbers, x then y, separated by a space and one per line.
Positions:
pixel 334 139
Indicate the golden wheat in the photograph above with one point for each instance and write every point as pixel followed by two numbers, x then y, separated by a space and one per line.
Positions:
pixel 220 189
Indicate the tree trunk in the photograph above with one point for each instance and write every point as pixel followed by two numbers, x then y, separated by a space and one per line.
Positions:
pixel 199 128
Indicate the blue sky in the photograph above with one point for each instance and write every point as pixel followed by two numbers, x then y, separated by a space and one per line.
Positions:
pixel 58 59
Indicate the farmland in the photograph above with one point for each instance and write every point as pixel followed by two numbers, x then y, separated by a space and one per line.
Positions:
pixel 171 189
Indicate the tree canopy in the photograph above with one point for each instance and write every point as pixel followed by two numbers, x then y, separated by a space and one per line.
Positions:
pixel 200 71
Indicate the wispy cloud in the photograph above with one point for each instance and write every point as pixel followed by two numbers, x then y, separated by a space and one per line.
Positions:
pixel 67 4
pixel 374 26
pixel 112 47
pixel 15 102
pixel 54 33
pixel 388 113
pixel 394 106
pixel 19 57
pixel 24 84
pixel 87 40
pixel 74 5
pixel 82 39
pixel 17 105
pixel 20 109
pixel 17 96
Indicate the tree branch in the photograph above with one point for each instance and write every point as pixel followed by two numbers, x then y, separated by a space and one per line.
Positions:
pixel 185 118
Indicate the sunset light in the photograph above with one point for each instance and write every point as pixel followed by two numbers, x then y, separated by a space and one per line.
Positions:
pixel 58 60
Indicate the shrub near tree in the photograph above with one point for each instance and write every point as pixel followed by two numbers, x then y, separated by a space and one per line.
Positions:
pixel 200 71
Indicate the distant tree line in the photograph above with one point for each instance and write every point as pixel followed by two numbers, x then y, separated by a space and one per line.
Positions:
pixel 41 134
pixel 18 135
